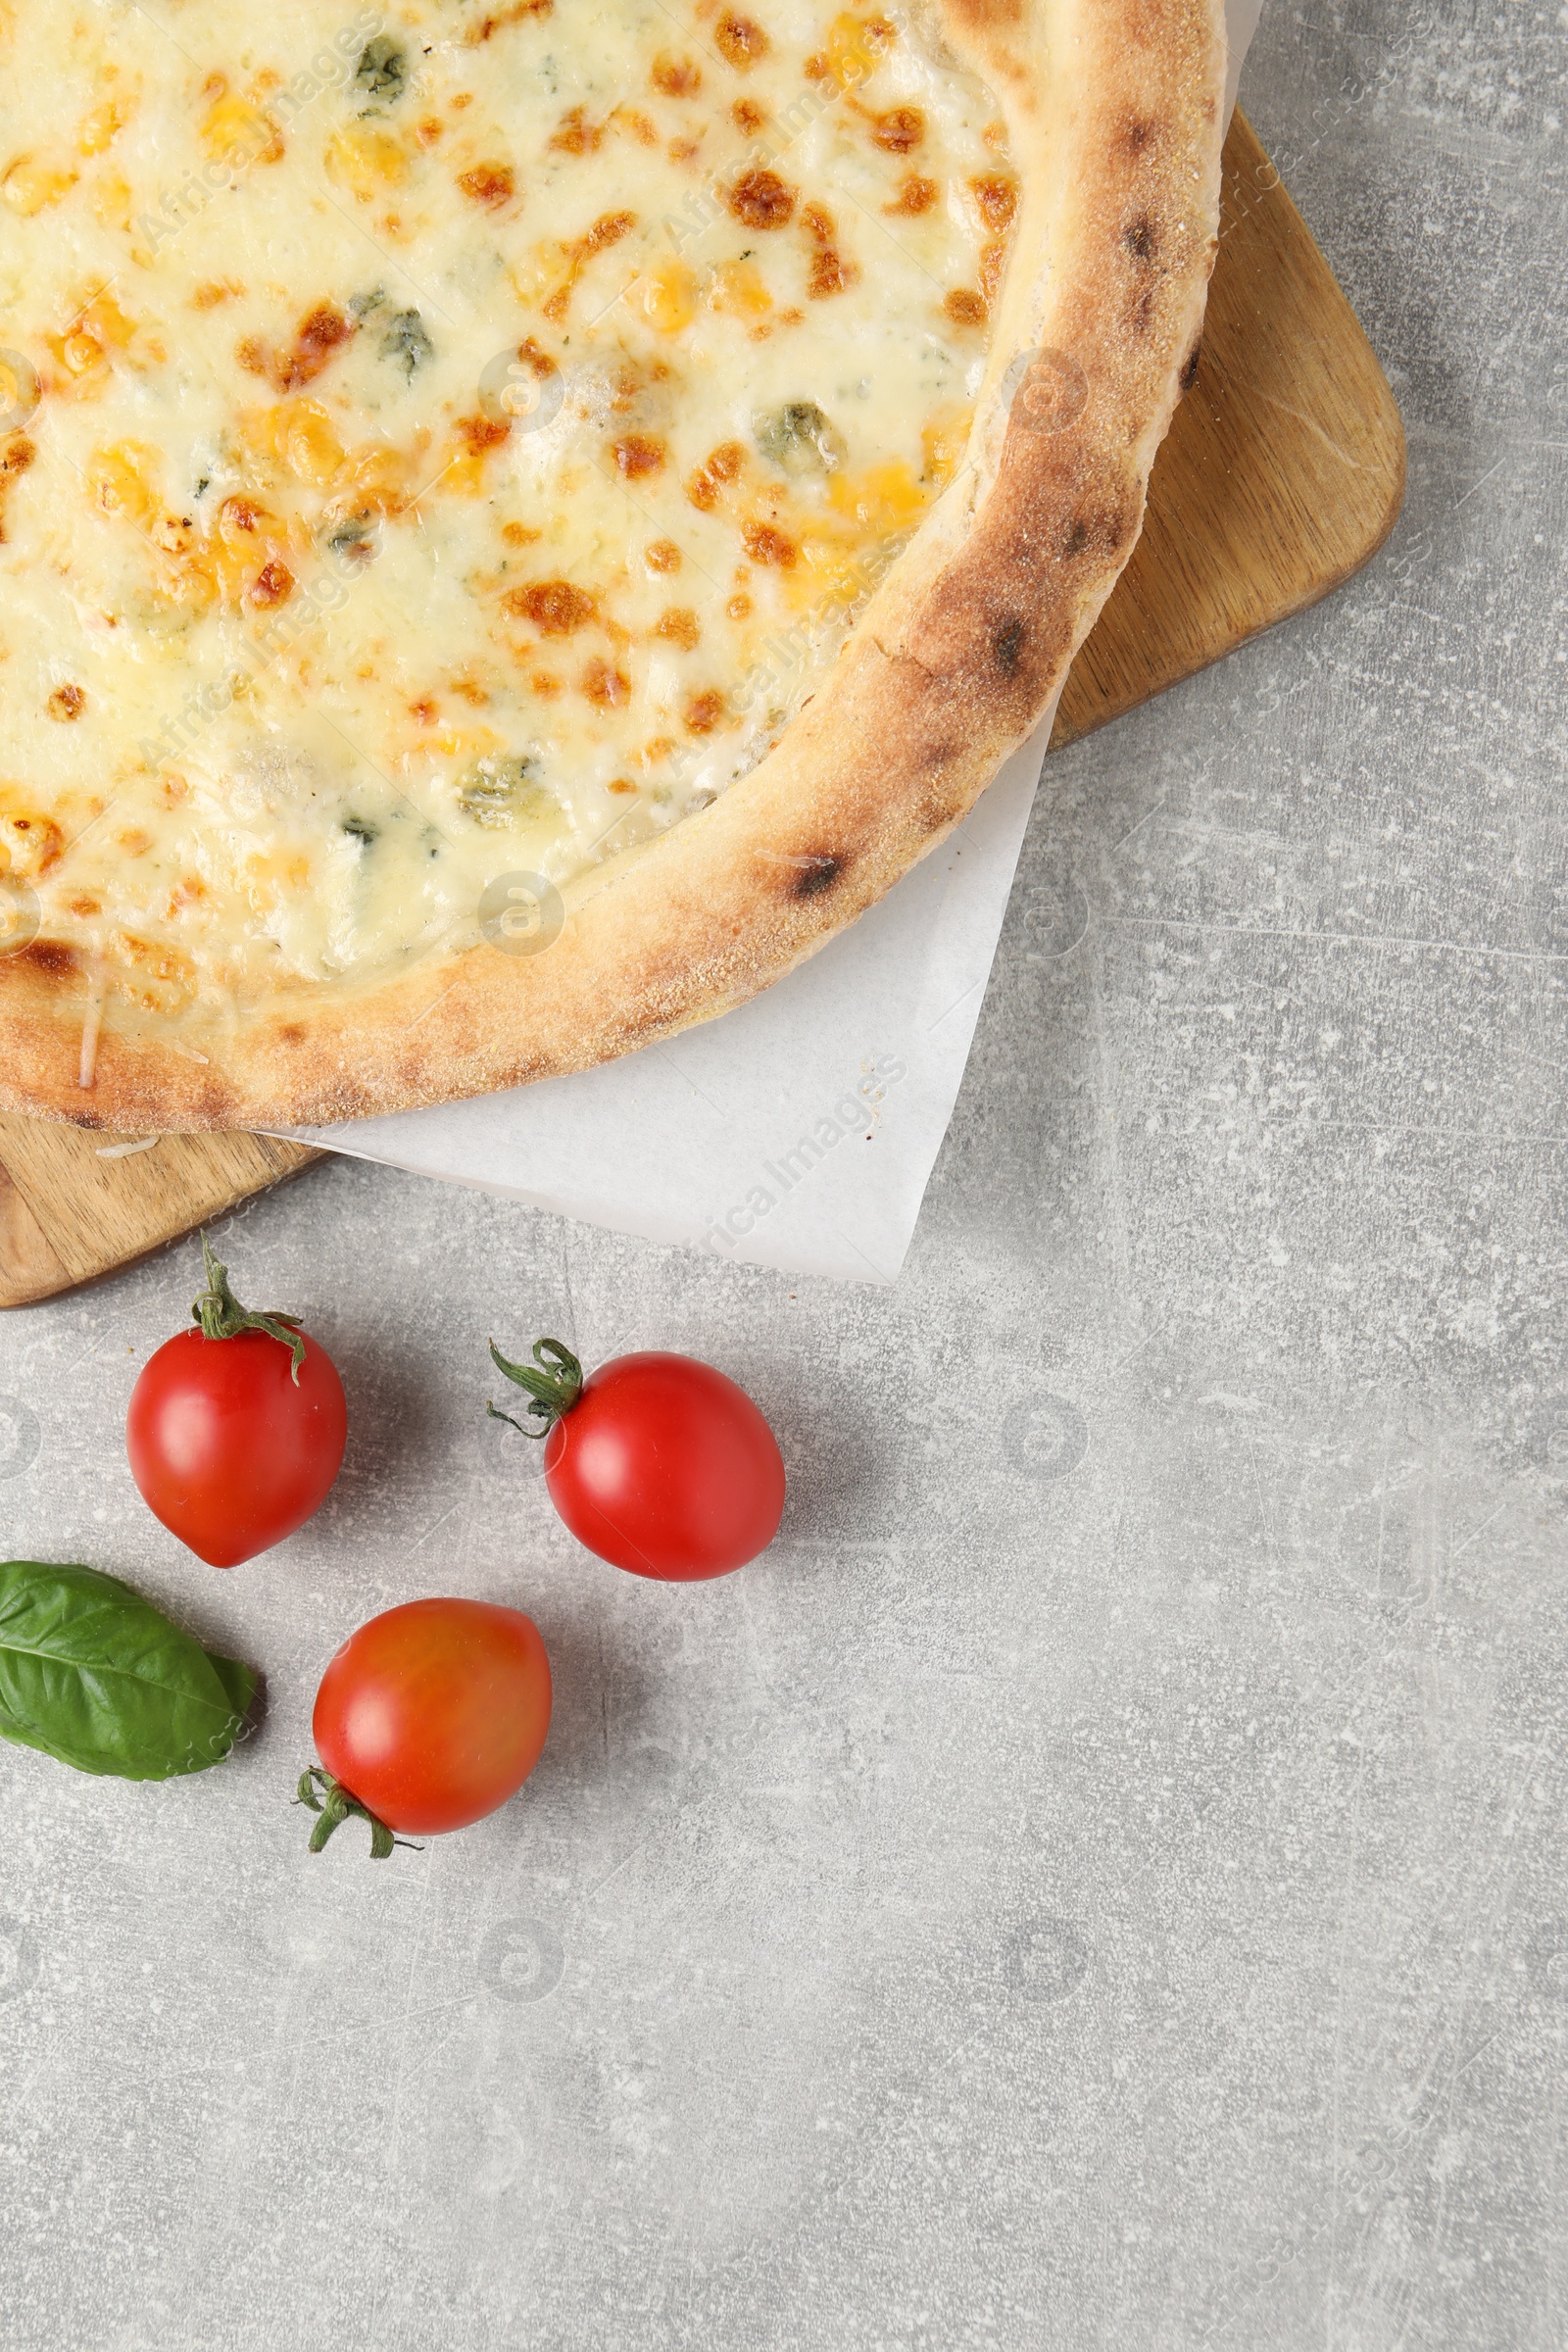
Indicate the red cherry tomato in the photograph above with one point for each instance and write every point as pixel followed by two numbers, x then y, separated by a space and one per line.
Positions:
pixel 229 1450
pixel 435 1713
pixel 657 1462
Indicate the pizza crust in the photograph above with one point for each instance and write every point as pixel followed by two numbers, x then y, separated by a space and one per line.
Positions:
pixel 1115 109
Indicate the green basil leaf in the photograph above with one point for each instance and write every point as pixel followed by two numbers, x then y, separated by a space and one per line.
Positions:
pixel 94 1675
pixel 238 1682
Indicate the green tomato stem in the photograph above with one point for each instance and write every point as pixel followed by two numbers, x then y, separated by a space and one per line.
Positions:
pixel 221 1316
pixel 553 1383
pixel 334 1808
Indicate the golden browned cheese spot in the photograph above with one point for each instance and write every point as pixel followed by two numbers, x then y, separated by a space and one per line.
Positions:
pixel 675 76
pixel 607 229
pixel 425 710
pixel 85 905
pixel 639 454
pixel 965 307
pixel 545 685
pixel 555 607
pixel 704 712
pixel 606 685
pixel 430 130
pixel 632 119
pixel 15 459
pixel 498 19
pixel 679 625
pixel 748 116
pixel 577 136
pixel 67 701
pixel 899 129
pixel 817 221
pixel 209 296
pixel 766 544
pixel 682 151
pixel 30 843
pixel 740 42
pixel 531 355
pixel 519 534
pixel 663 556
pixel 490 185
pixel 739 608
pixel 273 584
pixel 479 434
pixel 830 272
pixel 720 465
pixel 620 784
pixel 763 200
pixel 915 195
pixel 998 199
pixel 322 333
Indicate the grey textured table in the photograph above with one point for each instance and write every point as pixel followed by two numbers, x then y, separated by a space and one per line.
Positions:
pixel 1102 1880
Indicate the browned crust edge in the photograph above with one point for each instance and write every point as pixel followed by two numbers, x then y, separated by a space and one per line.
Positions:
pixel 1116 112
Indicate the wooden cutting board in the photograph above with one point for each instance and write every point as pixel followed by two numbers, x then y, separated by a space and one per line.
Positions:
pixel 1282 475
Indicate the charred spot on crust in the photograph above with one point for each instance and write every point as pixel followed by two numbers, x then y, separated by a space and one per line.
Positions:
pixel 1105 532
pixel 814 874
pixel 51 956
pixel 1007 645
pixel 291 1034
pixel 1142 314
pixel 1139 237
pixel 1139 133
pixel 1189 374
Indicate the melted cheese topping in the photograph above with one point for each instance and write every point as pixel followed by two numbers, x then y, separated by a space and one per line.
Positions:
pixel 444 443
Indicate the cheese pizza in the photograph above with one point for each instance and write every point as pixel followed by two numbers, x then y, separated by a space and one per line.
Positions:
pixel 518 521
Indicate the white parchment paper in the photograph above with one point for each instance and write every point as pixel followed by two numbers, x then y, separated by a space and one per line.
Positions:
pixel 800 1131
